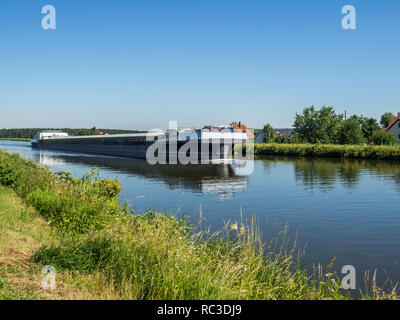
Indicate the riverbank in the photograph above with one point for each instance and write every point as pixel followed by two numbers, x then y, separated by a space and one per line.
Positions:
pixel 23 231
pixel 329 151
pixel 117 255
pixel 15 139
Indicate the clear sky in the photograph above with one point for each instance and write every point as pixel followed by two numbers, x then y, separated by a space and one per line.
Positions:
pixel 137 64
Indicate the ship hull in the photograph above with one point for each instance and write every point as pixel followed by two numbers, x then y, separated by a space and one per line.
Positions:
pixel 130 147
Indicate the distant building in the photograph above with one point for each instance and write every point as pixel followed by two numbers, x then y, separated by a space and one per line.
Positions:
pixel 242 127
pixel 394 127
pixel 284 133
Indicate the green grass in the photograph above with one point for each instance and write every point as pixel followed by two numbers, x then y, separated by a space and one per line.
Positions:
pixel 120 255
pixel 15 139
pixel 329 151
pixel 23 231
pixel 8 293
pixel 156 257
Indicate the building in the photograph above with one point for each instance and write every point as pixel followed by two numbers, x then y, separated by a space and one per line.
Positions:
pixel 233 127
pixel 242 128
pixel 284 133
pixel 394 127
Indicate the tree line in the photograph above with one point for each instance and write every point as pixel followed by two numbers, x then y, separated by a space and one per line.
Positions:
pixel 325 126
pixel 28 133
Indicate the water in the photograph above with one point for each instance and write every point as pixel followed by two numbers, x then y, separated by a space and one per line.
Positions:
pixel 347 209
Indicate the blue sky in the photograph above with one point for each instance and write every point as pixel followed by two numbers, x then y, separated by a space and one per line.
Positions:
pixel 138 64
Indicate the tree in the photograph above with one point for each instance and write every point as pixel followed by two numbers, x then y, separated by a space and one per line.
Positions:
pixel 268 133
pixel 380 138
pixel 282 139
pixel 368 126
pixel 385 119
pixel 318 126
pixel 350 132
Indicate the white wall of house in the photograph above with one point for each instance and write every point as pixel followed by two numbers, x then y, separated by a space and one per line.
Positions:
pixel 395 129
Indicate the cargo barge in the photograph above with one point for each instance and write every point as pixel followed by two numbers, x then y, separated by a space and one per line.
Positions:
pixel 207 143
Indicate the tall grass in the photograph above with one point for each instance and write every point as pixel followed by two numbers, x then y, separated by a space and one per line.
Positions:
pixel 329 151
pixel 156 255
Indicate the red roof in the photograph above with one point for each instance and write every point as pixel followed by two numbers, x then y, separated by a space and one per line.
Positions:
pixel 392 122
pixel 242 127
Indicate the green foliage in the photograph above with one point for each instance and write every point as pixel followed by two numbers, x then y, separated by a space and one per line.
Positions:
pixel 329 151
pixel 318 126
pixel 268 133
pixel 70 204
pixel 385 119
pixel 282 139
pixel 380 138
pixel 350 132
pixel 326 127
pixel 368 126
pixel 159 258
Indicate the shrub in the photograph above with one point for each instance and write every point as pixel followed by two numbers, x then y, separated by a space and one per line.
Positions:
pixel 70 204
pixel 329 151
pixel 380 138
pixel 282 139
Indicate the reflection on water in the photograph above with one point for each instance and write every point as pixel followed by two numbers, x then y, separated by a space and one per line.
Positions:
pixel 217 179
pixel 47 160
pixel 325 174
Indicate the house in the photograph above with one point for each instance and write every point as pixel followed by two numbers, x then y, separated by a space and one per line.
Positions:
pixel 284 133
pixel 394 127
pixel 242 127
pixel 234 126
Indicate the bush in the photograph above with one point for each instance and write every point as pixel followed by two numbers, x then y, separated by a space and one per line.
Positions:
pixel 70 204
pixel 380 138
pixel 350 132
pixel 282 139
pixel 329 151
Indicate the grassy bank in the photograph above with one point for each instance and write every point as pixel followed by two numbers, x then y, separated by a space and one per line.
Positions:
pixel 22 232
pixel 15 139
pixel 107 252
pixel 329 151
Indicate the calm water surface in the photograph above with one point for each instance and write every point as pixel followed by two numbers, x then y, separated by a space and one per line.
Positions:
pixel 347 209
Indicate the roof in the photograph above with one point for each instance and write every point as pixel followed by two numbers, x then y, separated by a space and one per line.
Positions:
pixel 243 128
pixel 393 122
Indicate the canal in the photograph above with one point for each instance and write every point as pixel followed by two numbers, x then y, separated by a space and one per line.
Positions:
pixel 343 208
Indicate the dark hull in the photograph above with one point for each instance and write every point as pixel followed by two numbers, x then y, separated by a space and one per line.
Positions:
pixel 123 147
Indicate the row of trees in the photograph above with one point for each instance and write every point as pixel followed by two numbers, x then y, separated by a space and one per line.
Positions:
pixel 327 127
pixel 28 133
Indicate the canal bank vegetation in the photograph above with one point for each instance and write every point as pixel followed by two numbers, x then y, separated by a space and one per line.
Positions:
pixel 329 151
pixel 22 232
pixel 324 133
pixel 101 250
pixel 15 139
